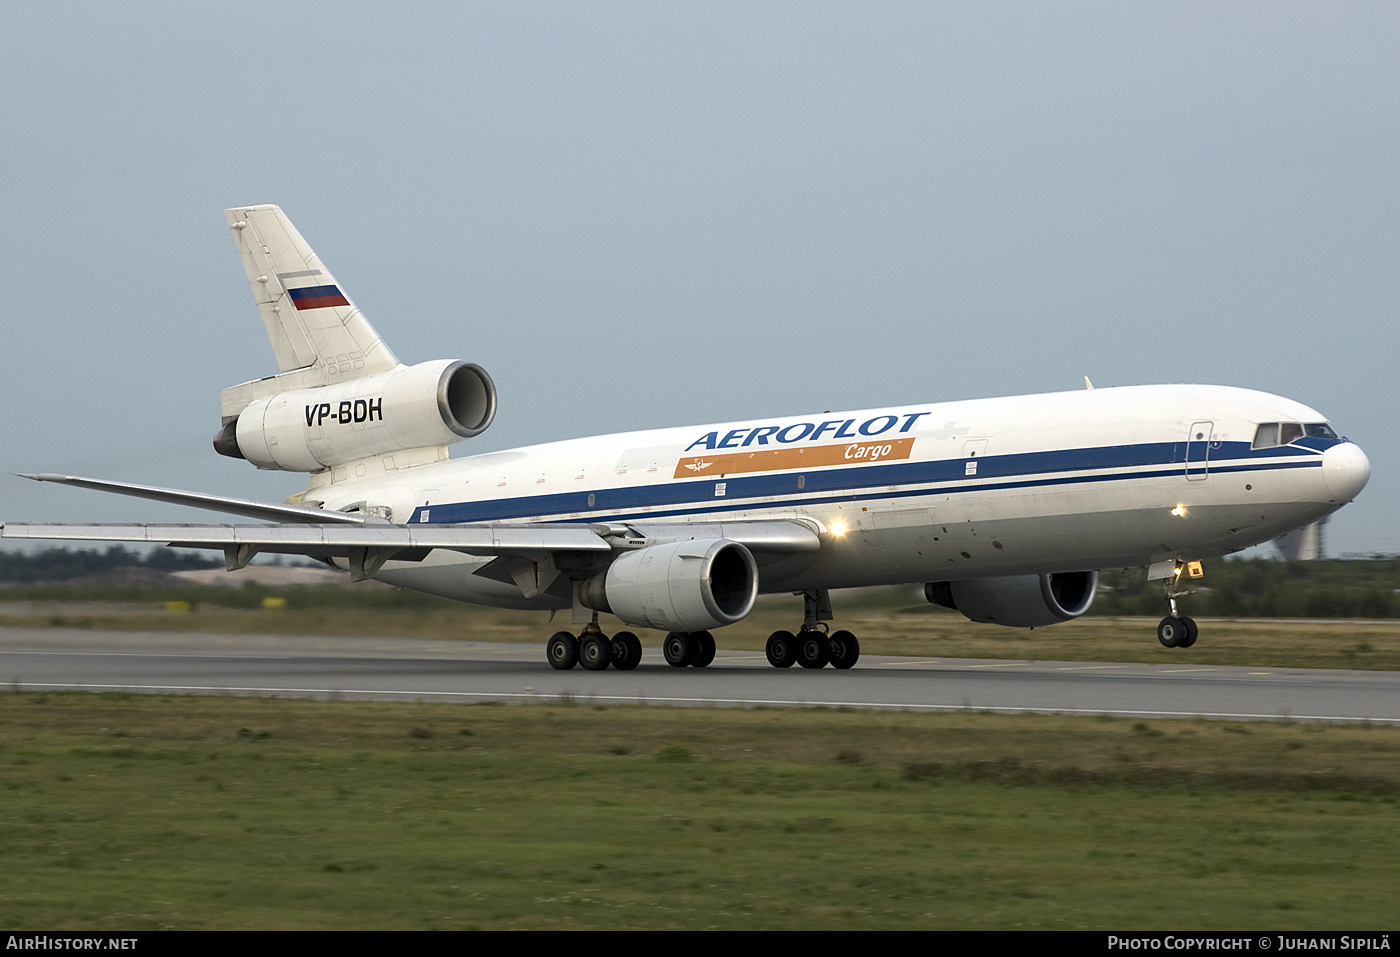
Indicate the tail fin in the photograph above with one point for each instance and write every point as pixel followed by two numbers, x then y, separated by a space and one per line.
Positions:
pixel 317 334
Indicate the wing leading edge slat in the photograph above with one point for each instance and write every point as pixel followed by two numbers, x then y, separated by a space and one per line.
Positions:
pixel 327 540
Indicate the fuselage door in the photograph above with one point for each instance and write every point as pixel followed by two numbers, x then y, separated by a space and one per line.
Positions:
pixel 1198 451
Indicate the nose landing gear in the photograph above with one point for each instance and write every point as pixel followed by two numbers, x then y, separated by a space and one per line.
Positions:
pixel 1176 631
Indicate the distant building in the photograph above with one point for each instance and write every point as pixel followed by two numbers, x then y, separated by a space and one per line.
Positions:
pixel 273 576
pixel 1302 544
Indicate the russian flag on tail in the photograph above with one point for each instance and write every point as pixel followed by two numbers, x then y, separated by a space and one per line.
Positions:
pixel 317 297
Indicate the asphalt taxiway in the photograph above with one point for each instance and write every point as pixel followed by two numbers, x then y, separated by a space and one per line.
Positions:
pixel 407 669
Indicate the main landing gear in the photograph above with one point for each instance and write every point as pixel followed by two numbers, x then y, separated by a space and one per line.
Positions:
pixel 594 650
pixel 813 647
pixel 1175 631
pixel 689 649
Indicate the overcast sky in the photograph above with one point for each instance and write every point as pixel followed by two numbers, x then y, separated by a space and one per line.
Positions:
pixel 653 214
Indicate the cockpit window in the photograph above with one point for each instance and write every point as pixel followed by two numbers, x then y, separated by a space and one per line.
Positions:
pixel 1273 434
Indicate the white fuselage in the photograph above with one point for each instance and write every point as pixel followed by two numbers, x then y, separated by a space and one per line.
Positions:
pixel 944 491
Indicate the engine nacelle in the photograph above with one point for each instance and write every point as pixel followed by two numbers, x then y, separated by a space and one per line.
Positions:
pixel 678 586
pixel 306 430
pixel 1018 601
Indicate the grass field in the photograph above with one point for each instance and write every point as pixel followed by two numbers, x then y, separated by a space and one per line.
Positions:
pixel 887 622
pixel 128 812
pixel 143 812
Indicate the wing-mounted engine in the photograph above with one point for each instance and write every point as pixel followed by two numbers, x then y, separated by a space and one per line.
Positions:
pixel 1018 601
pixel 306 430
pixel 679 586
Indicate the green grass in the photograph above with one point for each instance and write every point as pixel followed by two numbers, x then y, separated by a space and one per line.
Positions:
pixel 138 812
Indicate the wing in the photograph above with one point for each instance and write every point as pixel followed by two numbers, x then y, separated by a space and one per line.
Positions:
pixel 368 546
pixel 242 507
pixel 367 542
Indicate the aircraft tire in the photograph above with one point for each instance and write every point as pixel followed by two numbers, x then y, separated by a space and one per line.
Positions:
pixel 679 649
pixel 781 649
pixel 1192 633
pixel 627 651
pixel 595 652
pixel 706 653
pixel 845 650
pixel 562 651
pixel 813 649
pixel 1170 632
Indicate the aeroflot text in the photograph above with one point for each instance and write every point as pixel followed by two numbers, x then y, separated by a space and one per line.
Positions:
pixel 804 431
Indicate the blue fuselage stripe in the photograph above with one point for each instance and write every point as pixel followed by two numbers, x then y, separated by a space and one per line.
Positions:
pixel 881 481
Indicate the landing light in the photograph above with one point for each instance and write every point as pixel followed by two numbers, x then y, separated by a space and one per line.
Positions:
pixel 1179 511
pixel 838 528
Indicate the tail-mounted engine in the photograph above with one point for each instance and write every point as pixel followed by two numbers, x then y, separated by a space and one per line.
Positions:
pixel 411 407
pixel 1018 601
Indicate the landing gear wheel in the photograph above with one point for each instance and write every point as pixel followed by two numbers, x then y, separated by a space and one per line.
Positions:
pixel 627 651
pixel 1188 639
pixel 706 641
pixel 781 649
pixel 595 652
pixel 679 649
pixel 813 649
pixel 845 650
pixel 1171 632
pixel 562 651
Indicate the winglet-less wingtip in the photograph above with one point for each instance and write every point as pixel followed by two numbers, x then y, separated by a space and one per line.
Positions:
pixel 302 514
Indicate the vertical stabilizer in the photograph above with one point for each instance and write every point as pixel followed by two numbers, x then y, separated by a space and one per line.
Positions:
pixel 315 330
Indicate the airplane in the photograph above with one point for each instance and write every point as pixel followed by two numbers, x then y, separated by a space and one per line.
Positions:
pixel 1006 509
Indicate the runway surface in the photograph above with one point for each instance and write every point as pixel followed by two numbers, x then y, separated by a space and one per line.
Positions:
pixel 389 669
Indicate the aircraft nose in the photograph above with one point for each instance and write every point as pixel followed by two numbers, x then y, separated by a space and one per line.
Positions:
pixel 1346 470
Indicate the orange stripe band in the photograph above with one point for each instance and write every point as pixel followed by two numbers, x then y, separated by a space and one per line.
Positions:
pixel 856 453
